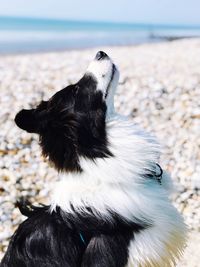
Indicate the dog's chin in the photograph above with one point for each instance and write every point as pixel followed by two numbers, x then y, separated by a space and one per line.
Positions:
pixel 110 91
pixel 112 82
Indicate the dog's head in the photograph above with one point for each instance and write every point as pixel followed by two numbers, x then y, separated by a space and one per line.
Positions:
pixel 72 123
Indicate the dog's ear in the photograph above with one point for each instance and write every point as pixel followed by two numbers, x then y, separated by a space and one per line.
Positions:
pixel 28 120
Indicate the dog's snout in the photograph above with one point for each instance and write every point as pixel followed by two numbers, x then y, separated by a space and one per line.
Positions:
pixel 101 55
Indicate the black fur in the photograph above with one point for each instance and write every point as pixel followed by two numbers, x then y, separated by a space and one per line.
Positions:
pixel 107 251
pixel 70 124
pixel 44 239
pixel 53 239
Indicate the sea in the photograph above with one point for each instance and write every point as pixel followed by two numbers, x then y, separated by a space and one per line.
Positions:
pixel 30 35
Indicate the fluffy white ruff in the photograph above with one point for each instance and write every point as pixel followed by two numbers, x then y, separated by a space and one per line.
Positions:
pixel 118 184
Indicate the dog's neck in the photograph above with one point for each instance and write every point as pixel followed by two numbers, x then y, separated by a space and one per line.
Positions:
pixel 110 113
pixel 105 183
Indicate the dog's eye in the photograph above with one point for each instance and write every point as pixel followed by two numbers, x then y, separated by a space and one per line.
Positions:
pixel 103 75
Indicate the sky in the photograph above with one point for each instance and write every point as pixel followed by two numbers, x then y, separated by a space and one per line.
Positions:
pixel 181 12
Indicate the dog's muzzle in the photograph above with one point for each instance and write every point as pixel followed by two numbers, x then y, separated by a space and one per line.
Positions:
pixel 101 55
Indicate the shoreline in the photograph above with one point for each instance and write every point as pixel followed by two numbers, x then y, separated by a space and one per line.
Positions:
pixel 63 50
pixel 152 40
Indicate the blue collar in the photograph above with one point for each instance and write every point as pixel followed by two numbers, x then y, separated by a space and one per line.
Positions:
pixel 82 239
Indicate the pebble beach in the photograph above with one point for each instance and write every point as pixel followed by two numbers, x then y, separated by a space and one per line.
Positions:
pixel 159 88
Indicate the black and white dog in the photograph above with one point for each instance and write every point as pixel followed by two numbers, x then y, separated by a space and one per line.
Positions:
pixel 110 207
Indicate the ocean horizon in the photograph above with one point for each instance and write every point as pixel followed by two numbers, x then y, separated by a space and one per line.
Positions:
pixel 28 35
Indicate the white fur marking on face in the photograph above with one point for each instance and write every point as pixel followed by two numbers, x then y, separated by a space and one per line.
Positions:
pixel 102 71
pixel 107 77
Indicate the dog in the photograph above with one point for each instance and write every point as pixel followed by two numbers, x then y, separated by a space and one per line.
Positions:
pixel 111 206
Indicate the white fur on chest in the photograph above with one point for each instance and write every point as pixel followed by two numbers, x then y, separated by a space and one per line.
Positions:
pixel 117 183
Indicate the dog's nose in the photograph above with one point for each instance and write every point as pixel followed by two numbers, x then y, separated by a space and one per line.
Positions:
pixel 101 55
